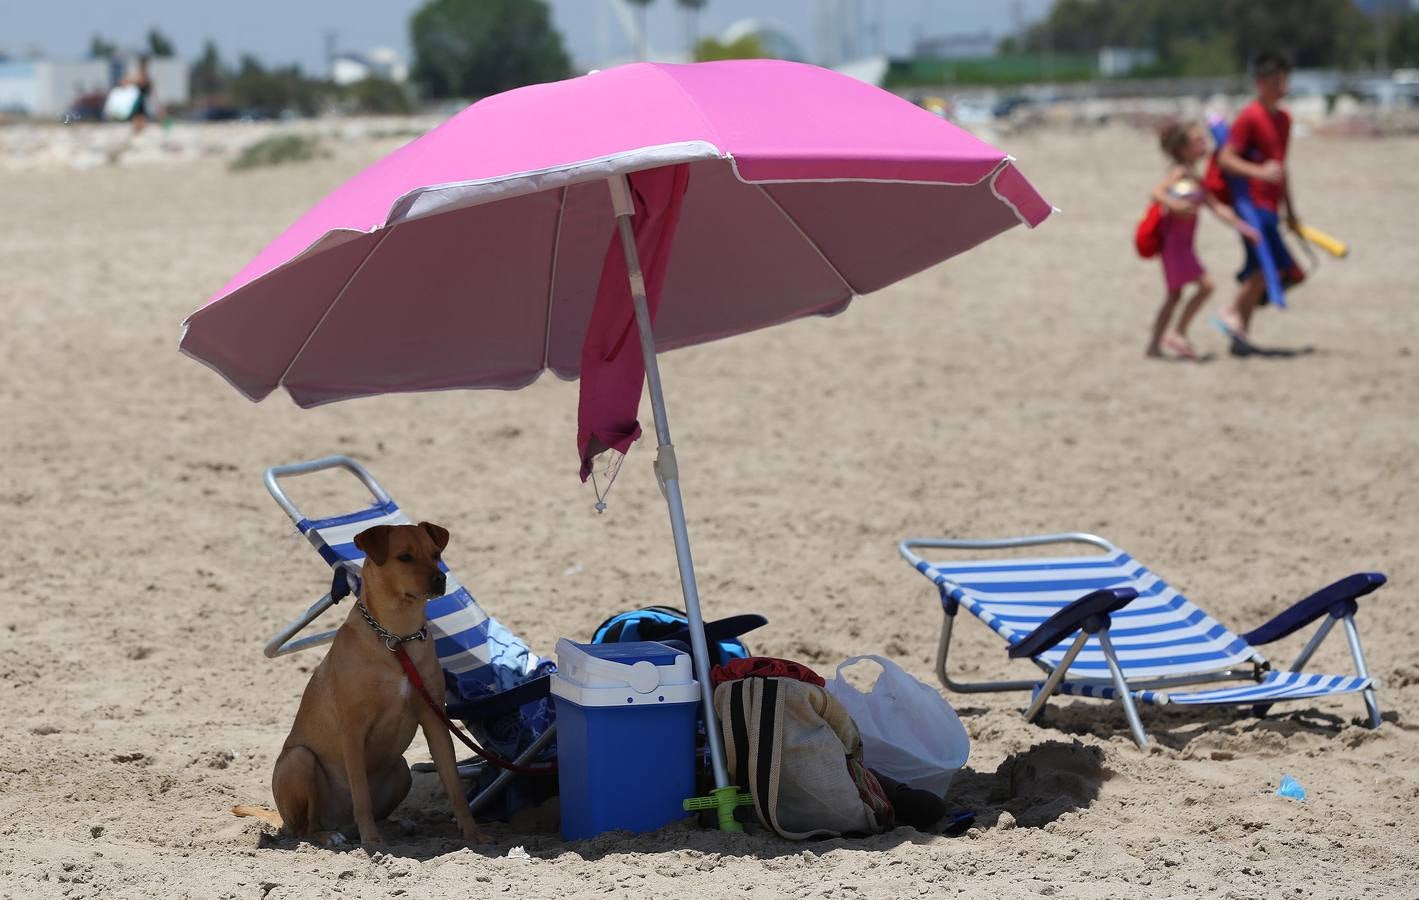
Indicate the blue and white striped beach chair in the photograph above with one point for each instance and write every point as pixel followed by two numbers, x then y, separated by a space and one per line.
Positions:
pixel 1105 626
pixel 493 672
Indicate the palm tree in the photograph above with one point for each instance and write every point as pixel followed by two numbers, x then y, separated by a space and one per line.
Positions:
pixel 691 9
pixel 642 42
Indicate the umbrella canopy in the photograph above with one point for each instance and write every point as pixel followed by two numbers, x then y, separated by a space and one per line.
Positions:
pixel 470 258
pixel 755 192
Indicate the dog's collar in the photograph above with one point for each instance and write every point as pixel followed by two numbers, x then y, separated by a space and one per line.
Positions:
pixel 391 640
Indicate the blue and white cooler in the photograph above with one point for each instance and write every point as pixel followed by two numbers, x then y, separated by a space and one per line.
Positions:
pixel 625 735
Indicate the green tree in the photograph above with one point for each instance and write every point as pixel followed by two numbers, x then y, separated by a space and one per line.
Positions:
pixel 1206 37
pixel 1317 33
pixel 380 96
pixel 159 45
pixel 472 48
pixel 209 76
pixel 100 48
pixel 273 91
pixel 1404 41
pixel 747 47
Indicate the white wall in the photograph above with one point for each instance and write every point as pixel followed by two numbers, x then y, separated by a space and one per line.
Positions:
pixel 46 88
pixel 63 82
pixel 170 80
pixel 19 86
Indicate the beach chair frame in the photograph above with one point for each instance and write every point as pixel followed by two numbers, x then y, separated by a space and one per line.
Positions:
pixel 1089 616
pixel 281 643
pixel 285 641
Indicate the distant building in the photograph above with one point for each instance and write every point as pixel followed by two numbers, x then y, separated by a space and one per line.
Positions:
pixel 381 62
pixel 956 46
pixel 1115 62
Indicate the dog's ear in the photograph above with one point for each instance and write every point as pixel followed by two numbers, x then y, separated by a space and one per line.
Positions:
pixel 437 532
pixel 374 543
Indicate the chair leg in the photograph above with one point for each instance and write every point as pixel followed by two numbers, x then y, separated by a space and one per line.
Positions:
pixel 1313 644
pixel 1261 709
pixel 1372 705
pixel 281 643
pixel 499 783
pixel 1125 696
pixel 1042 696
pixel 943 648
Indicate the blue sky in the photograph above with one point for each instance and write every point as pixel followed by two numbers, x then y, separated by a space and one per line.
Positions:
pixel 285 31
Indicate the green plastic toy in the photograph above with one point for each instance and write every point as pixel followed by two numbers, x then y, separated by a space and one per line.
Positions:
pixel 725 800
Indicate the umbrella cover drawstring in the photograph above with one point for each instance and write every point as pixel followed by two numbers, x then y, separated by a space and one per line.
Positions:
pixel 609 462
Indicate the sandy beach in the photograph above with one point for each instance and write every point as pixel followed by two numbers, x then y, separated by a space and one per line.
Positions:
pixel 1005 392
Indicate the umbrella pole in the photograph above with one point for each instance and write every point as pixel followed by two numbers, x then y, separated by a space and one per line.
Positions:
pixel 667 473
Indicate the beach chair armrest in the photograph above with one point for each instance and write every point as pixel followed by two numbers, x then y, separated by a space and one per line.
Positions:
pixel 482 708
pixel 718 630
pixel 1090 612
pixel 1337 599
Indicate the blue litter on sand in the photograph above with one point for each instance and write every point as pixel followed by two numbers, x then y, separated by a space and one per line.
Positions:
pixel 1291 788
pixel 958 823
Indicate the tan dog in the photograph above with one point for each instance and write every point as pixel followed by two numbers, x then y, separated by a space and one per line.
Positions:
pixel 343 764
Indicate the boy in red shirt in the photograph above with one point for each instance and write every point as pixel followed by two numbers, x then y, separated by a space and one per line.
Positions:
pixel 1256 150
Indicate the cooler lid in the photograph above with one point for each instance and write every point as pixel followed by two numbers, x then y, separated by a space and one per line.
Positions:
pixel 644 666
pixel 630 652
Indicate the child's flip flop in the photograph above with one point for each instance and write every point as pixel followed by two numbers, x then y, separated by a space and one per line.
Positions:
pixel 1230 332
pixel 1181 348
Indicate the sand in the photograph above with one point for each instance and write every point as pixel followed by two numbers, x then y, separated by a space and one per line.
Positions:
pixel 1002 393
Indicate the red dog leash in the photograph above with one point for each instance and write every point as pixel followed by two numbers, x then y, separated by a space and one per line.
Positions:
pixel 413 675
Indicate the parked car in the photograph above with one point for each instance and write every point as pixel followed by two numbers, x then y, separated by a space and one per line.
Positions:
pixel 215 113
pixel 1004 107
pixel 85 108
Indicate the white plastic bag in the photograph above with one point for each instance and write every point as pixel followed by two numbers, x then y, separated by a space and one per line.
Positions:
pixel 121 102
pixel 909 732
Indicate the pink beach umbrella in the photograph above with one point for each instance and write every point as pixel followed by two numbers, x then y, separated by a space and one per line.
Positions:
pixel 584 225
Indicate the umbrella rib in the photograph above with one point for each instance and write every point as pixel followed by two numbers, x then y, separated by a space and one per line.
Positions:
pixel 690 100
pixel 344 287
pixel 552 279
pixel 852 291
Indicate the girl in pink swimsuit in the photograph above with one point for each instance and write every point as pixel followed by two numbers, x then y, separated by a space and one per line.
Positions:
pixel 1181 196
